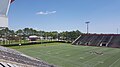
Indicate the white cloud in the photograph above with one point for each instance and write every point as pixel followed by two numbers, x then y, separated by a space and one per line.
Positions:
pixel 46 12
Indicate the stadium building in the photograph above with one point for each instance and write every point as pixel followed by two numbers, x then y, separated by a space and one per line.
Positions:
pixel 107 40
pixel 10 57
pixel 4 8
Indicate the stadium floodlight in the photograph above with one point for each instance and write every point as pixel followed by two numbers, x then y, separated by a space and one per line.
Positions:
pixel 4 8
pixel 117 30
pixel 87 27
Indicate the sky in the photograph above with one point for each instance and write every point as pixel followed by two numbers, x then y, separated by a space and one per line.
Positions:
pixel 66 15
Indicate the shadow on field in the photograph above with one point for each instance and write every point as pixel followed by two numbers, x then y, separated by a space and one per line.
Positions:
pixel 9 45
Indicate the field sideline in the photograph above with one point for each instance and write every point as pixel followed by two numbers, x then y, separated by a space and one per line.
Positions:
pixel 66 55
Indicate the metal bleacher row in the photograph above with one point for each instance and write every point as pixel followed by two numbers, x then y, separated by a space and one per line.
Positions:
pixel 3 64
pixel 108 40
pixel 12 58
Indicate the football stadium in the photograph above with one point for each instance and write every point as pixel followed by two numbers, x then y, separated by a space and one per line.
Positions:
pixel 29 47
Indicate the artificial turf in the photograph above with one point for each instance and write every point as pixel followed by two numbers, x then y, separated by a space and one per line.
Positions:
pixel 67 55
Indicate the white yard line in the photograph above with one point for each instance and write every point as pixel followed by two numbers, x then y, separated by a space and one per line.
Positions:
pixel 114 62
pixel 103 61
pixel 93 59
pixel 77 64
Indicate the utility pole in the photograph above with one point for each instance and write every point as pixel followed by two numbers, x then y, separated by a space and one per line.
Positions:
pixel 87 27
pixel 41 36
pixel 57 36
pixel 117 30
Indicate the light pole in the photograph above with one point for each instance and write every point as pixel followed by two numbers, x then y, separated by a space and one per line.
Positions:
pixel 57 36
pixel 41 36
pixel 117 30
pixel 87 27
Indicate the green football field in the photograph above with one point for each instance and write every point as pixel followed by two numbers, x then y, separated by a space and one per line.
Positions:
pixel 67 55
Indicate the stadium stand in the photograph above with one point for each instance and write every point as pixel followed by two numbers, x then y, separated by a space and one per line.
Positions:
pixel 13 58
pixel 108 40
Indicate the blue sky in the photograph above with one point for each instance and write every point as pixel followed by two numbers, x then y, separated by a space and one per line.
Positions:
pixel 62 15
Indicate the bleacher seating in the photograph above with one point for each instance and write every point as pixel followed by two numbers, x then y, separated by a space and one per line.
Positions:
pixel 13 58
pixel 108 40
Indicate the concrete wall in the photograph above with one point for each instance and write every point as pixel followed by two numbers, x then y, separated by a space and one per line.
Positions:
pixel 3 21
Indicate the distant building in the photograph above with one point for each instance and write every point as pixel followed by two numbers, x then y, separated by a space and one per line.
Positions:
pixel 33 38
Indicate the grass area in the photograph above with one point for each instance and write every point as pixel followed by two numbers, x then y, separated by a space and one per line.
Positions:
pixel 8 42
pixel 66 55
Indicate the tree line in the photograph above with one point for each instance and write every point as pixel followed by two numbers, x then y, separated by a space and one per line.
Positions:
pixel 26 32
